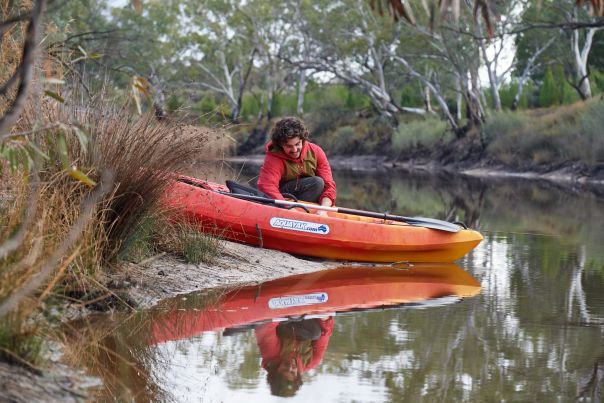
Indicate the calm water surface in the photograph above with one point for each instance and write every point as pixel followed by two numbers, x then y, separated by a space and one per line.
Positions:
pixel 519 319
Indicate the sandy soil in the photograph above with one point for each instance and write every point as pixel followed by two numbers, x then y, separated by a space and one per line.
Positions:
pixel 164 276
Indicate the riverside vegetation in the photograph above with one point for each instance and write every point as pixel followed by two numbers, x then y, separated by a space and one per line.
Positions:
pixel 127 223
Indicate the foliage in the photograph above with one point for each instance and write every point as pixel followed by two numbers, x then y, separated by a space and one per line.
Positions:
pixel 549 93
pixel 198 247
pixel 140 152
pixel 567 133
pixel 423 132
pixel 20 344
pixel 358 137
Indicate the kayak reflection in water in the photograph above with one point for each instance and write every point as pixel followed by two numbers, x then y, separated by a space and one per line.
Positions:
pixel 289 349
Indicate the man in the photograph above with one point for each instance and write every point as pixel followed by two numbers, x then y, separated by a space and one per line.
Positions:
pixel 296 166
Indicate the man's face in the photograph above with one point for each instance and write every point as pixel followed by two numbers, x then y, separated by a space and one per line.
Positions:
pixel 288 369
pixel 293 147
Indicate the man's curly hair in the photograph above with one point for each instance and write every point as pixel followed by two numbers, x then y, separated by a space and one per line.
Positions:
pixel 288 128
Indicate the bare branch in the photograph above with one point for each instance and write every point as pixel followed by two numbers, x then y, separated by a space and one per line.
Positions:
pixel 25 69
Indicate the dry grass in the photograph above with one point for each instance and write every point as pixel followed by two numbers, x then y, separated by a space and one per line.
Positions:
pixel 141 153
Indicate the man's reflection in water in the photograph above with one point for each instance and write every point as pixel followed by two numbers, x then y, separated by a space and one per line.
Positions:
pixel 291 348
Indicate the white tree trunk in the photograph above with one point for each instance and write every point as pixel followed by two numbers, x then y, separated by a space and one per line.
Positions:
pixel 581 55
pixel 439 98
pixel 530 65
pixel 301 91
pixel 494 85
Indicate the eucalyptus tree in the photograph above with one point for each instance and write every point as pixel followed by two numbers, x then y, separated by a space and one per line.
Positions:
pixel 147 43
pixel 221 49
pixel 272 34
pixel 347 41
pixel 574 30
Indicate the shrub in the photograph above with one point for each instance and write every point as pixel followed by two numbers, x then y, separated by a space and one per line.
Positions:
pixel 591 123
pixel 423 132
pixel 549 93
pixel 198 247
pixel 547 136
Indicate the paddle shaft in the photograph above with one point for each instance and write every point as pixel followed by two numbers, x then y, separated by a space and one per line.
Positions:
pixel 415 221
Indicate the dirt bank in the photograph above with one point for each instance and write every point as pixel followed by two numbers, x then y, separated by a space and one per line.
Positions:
pixel 238 264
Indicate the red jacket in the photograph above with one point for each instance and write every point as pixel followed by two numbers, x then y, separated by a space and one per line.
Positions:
pixel 278 165
pixel 270 346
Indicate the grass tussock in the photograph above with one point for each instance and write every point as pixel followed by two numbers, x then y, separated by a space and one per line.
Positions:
pixel 185 240
pixel 548 136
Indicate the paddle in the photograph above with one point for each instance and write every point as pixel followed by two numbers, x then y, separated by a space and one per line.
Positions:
pixel 415 221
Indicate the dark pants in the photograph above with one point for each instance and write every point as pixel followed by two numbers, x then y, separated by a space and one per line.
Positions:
pixel 308 188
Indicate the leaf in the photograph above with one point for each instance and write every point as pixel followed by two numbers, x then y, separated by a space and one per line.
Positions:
pixel 62 150
pixel 54 95
pixel 137 101
pixel 52 80
pixel 142 89
pixel 36 150
pixel 81 176
pixel 83 138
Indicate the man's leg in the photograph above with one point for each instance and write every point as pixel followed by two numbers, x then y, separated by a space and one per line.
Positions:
pixel 308 188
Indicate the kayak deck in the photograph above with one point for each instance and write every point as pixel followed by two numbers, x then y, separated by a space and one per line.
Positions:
pixel 336 236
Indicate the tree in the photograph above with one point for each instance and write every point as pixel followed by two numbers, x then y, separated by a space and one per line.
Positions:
pixel 549 92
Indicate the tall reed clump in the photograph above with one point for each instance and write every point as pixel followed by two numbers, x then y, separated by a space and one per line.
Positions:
pixel 78 228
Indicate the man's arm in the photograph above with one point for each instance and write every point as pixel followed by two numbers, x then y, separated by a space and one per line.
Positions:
pixel 324 171
pixel 270 176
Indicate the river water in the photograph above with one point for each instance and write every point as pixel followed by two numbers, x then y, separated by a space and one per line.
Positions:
pixel 521 318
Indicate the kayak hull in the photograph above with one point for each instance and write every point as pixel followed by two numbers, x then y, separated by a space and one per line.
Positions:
pixel 335 236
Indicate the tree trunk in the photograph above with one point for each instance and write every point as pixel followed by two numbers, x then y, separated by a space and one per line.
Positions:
pixel 581 55
pixel 530 65
pixel 158 96
pixel 301 90
pixel 494 86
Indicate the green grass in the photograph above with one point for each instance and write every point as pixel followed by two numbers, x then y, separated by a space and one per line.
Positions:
pixel 198 247
pixel 19 345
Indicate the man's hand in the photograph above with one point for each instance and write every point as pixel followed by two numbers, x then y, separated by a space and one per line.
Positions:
pixel 324 202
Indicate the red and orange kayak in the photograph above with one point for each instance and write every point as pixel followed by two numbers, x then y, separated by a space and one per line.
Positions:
pixel 335 236
pixel 326 292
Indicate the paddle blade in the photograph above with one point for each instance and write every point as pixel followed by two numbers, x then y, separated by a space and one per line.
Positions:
pixel 432 223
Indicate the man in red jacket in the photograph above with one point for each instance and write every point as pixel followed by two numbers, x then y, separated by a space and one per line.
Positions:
pixel 289 349
pixel 295 165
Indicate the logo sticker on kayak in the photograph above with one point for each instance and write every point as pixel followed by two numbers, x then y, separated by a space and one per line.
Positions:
pixel 297 300
pixel 304 226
